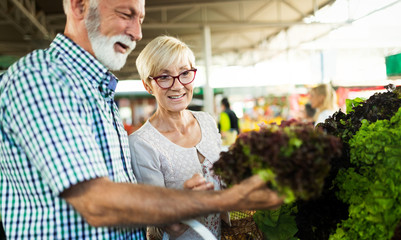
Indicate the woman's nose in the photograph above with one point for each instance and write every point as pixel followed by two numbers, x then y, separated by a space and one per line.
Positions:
pixel 177 84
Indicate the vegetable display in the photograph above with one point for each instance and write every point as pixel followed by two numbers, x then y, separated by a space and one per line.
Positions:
pixel 347 189
pixel 346 209
pixel 375 193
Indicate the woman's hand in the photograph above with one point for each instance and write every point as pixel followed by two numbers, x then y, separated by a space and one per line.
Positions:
pixel 198 182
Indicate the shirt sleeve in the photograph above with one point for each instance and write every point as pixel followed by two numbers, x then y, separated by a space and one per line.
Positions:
pixel 51 125
pixel 145 162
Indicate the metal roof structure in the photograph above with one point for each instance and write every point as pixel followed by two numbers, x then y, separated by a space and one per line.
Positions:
pixel 235 26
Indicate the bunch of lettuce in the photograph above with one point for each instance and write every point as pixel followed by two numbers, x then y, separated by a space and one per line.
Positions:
pixel 294 158
pixel 372 188
pixel 318 219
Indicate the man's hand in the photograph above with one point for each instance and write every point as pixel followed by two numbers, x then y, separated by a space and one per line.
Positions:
pixel 253 194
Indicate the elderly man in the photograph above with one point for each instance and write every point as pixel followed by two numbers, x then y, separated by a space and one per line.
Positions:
pixel 64 155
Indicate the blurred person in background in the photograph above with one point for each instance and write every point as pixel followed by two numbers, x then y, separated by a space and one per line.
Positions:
pixel 309 112
pixel 174 143
pixel 306 114
pixel 64 156
pixel 323 99
pixel 228 123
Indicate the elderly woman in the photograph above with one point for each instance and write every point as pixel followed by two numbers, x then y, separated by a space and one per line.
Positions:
pixel 174 143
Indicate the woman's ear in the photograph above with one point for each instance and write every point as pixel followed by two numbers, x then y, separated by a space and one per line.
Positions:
pixel 147 87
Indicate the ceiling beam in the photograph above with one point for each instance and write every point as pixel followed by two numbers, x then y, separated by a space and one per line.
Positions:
pixel 184 14
pixel 214 25
pixel 294 8
pixel 11 16
pixel 5 22
pixel 174 23
pixel 260 9
pixel 55 17
pixel 234 25
pixel 222 14
pixel 209 3
pixel 28 9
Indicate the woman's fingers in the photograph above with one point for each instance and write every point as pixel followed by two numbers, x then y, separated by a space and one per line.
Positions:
pixel 198 182
pixel 205 186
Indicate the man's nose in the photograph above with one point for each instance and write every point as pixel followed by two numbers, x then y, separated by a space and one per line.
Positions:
pixel 134 29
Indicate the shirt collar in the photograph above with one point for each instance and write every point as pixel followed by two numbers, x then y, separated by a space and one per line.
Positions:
pixel 85 64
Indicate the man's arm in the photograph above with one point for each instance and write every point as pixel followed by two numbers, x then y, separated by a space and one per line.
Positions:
pixel 105 203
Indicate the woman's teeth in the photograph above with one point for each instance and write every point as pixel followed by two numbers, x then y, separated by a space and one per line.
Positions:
pixel 176 97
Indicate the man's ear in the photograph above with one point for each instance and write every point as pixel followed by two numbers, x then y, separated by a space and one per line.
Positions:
pixel 148 89
pixel 79 7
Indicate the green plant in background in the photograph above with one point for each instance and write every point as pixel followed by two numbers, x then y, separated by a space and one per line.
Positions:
pixel 351 103
pixel 372 187
pixel 277 224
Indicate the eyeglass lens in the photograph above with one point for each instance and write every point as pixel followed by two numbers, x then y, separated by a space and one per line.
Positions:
pixel 166 81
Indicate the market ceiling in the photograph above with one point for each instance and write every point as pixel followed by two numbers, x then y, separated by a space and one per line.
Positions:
pixel 236 26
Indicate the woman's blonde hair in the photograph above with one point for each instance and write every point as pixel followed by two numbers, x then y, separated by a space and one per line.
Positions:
pixel 161 53
pixel 330 97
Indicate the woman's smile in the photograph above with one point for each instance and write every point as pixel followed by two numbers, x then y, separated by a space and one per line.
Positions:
pixel 177 97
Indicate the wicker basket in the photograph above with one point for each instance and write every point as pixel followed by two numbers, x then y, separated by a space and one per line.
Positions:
pixel 243 227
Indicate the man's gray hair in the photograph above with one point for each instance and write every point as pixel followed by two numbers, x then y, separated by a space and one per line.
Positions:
pixel 66 4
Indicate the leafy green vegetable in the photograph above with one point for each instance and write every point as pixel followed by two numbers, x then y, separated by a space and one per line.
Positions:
pixel 317 219
pixel 277 224
pixel 360 195
pixel 294 158
pixel 378 107
pixel 351 103
pixel 374 195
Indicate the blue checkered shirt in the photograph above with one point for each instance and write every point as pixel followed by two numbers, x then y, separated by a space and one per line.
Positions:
pixel 59 126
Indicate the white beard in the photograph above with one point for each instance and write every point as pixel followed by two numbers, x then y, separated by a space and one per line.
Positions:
pixel 103 46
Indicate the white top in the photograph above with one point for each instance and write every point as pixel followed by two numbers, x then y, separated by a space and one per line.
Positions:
pixel 158 161
pixel 324 115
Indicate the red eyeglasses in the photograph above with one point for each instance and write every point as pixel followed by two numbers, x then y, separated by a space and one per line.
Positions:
pixel 167 81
